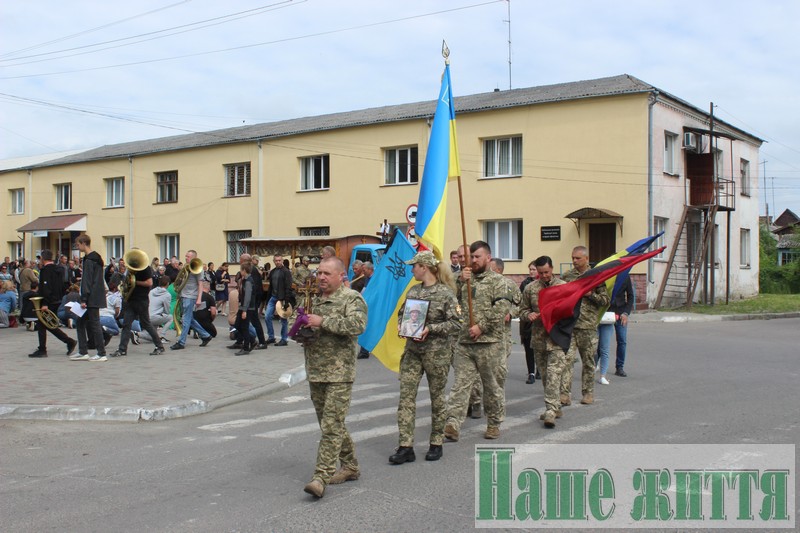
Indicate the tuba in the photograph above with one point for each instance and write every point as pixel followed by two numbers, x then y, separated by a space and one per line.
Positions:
pixel 48 318
pixel 135 260
pixel 195 266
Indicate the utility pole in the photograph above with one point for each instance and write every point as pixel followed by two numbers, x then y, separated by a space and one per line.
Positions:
pixel 766 201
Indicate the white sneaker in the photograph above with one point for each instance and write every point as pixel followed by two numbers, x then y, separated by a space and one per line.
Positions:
pixel 603 380
pixel 96 357
pixel 79 357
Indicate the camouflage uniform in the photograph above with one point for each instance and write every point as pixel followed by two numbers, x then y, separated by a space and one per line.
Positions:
pixel 550 358
pixel 300 275
pixel 476 393
pixel 516 297
pixel 331 369
pixel 585 332
pixel 431 356
pixel 484 358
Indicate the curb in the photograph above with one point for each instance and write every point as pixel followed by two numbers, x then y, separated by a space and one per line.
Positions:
pixel 137 414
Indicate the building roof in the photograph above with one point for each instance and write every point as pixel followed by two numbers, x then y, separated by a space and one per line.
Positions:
pixel 785 219
pixel 614 85
pixel 788 242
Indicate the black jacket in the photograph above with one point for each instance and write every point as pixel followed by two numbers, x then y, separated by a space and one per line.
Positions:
pixel 51 285
pixel 280 284
pixel 93 290
pixel 622 303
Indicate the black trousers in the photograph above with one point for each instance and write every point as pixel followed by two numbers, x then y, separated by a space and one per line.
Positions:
pixel 91 321
pixel 243 327
pixel 137 310
pixel 42 331
pixel 529 360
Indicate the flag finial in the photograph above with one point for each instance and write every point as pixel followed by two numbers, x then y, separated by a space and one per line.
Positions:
pixel 445 52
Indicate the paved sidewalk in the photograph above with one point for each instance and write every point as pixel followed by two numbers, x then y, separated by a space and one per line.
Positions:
pixel 137 387
pixel 179 383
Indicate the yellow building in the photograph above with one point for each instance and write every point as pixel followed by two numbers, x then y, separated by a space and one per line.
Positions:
pixel 600 163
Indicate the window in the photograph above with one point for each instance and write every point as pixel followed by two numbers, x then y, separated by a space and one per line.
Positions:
pixel 115 192
pixel 744 247
pixel 115 247
pixel 235 247
pixel 317 231
pixel 315 173
pixel 505 238
pixel 787 256
pixel 15 250
pixel 744 169
pixel 237 179
pixel 167 187
pixel 502 157
pixel 169 245
pixel 64 197
pixel 17 201
pixel 659 225
pixel 401 166
pixel 670 144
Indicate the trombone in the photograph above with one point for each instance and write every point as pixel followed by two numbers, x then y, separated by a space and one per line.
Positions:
pixel 48 318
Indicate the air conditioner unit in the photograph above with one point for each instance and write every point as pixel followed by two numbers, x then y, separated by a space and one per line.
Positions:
pixel 691 141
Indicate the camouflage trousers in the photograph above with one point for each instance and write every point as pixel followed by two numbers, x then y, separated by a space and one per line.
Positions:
pixel 585 341
pixel 331 402
pixel 436 366
pixel 541 348
pixel 487 363
pixel 476 394
pixel 555 363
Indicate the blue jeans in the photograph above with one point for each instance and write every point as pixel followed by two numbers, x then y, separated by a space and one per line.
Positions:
pixel 603 344
pixel 622 343
pixel 110 324
pixel 269 316
pixel 188 322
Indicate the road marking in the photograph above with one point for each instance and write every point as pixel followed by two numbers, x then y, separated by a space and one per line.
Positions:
pixel 565 434
pixel 247 422
pixel 290 399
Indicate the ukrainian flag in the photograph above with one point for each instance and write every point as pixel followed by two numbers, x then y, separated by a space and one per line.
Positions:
pixel 441 163
pixel 384 295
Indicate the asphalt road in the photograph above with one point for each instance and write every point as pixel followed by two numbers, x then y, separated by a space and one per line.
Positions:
pixel 243 467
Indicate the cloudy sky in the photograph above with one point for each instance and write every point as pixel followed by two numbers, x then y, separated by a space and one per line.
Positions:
pixel 80 73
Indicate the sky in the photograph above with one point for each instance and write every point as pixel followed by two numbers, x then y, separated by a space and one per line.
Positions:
pixel 81 74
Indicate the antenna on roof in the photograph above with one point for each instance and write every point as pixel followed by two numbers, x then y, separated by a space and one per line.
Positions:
pixel 509 43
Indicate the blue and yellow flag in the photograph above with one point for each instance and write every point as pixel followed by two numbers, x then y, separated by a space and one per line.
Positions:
pixel 384 295
pixel 441 164
pixel 615 283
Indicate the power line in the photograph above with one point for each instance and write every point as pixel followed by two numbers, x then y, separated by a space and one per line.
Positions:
pixel 153 35
pixel 104 26
pixel 255 45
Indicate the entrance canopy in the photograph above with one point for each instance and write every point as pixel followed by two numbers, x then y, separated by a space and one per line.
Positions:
pixel 588 213
pixel 75 222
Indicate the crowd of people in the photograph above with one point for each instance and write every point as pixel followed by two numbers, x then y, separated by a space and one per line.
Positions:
pixel 85 293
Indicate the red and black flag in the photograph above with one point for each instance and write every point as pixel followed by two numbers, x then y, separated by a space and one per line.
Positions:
pixel 561 305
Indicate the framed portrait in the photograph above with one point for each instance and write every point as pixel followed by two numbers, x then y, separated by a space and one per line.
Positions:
pixel 414 316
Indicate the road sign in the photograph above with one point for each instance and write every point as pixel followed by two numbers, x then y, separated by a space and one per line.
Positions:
pixel 411 214
pixel 411 236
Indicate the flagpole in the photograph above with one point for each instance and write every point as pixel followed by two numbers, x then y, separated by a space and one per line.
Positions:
pixel 446 56
pixel 466 251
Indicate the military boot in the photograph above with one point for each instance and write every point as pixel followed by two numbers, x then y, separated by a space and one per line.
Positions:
pixel 566 400
pixel 588 399
pixel 550 419
pixel 404 454
pixel 315 487
pixel 558 415
pixel 345 473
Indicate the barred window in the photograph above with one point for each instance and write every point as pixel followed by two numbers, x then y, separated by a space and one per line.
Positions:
pixel 318 231
pixel 235 247
pixel 237 179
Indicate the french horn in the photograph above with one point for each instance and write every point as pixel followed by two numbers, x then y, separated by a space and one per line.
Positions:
pixel 48 318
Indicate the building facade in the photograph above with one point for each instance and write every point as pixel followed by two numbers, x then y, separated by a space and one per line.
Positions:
pixel 600 163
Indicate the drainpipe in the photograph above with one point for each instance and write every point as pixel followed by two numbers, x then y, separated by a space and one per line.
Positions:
pixel 651 102
pixel 130 204
pixel 25 251
pixel 260 197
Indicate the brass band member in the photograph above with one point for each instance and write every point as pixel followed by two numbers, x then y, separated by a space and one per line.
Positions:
pixel 137 307
pixel 51 289
pixel 190 297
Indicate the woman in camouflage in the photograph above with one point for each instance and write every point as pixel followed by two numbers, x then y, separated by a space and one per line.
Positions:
pixel 430 354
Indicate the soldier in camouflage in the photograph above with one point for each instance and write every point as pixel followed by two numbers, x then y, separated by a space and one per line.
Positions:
pixel 430 355
pixel 339 317
pixel 476 393
pixel 481 352
pixel 585 332
pixel 497 265
pixel 550 358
